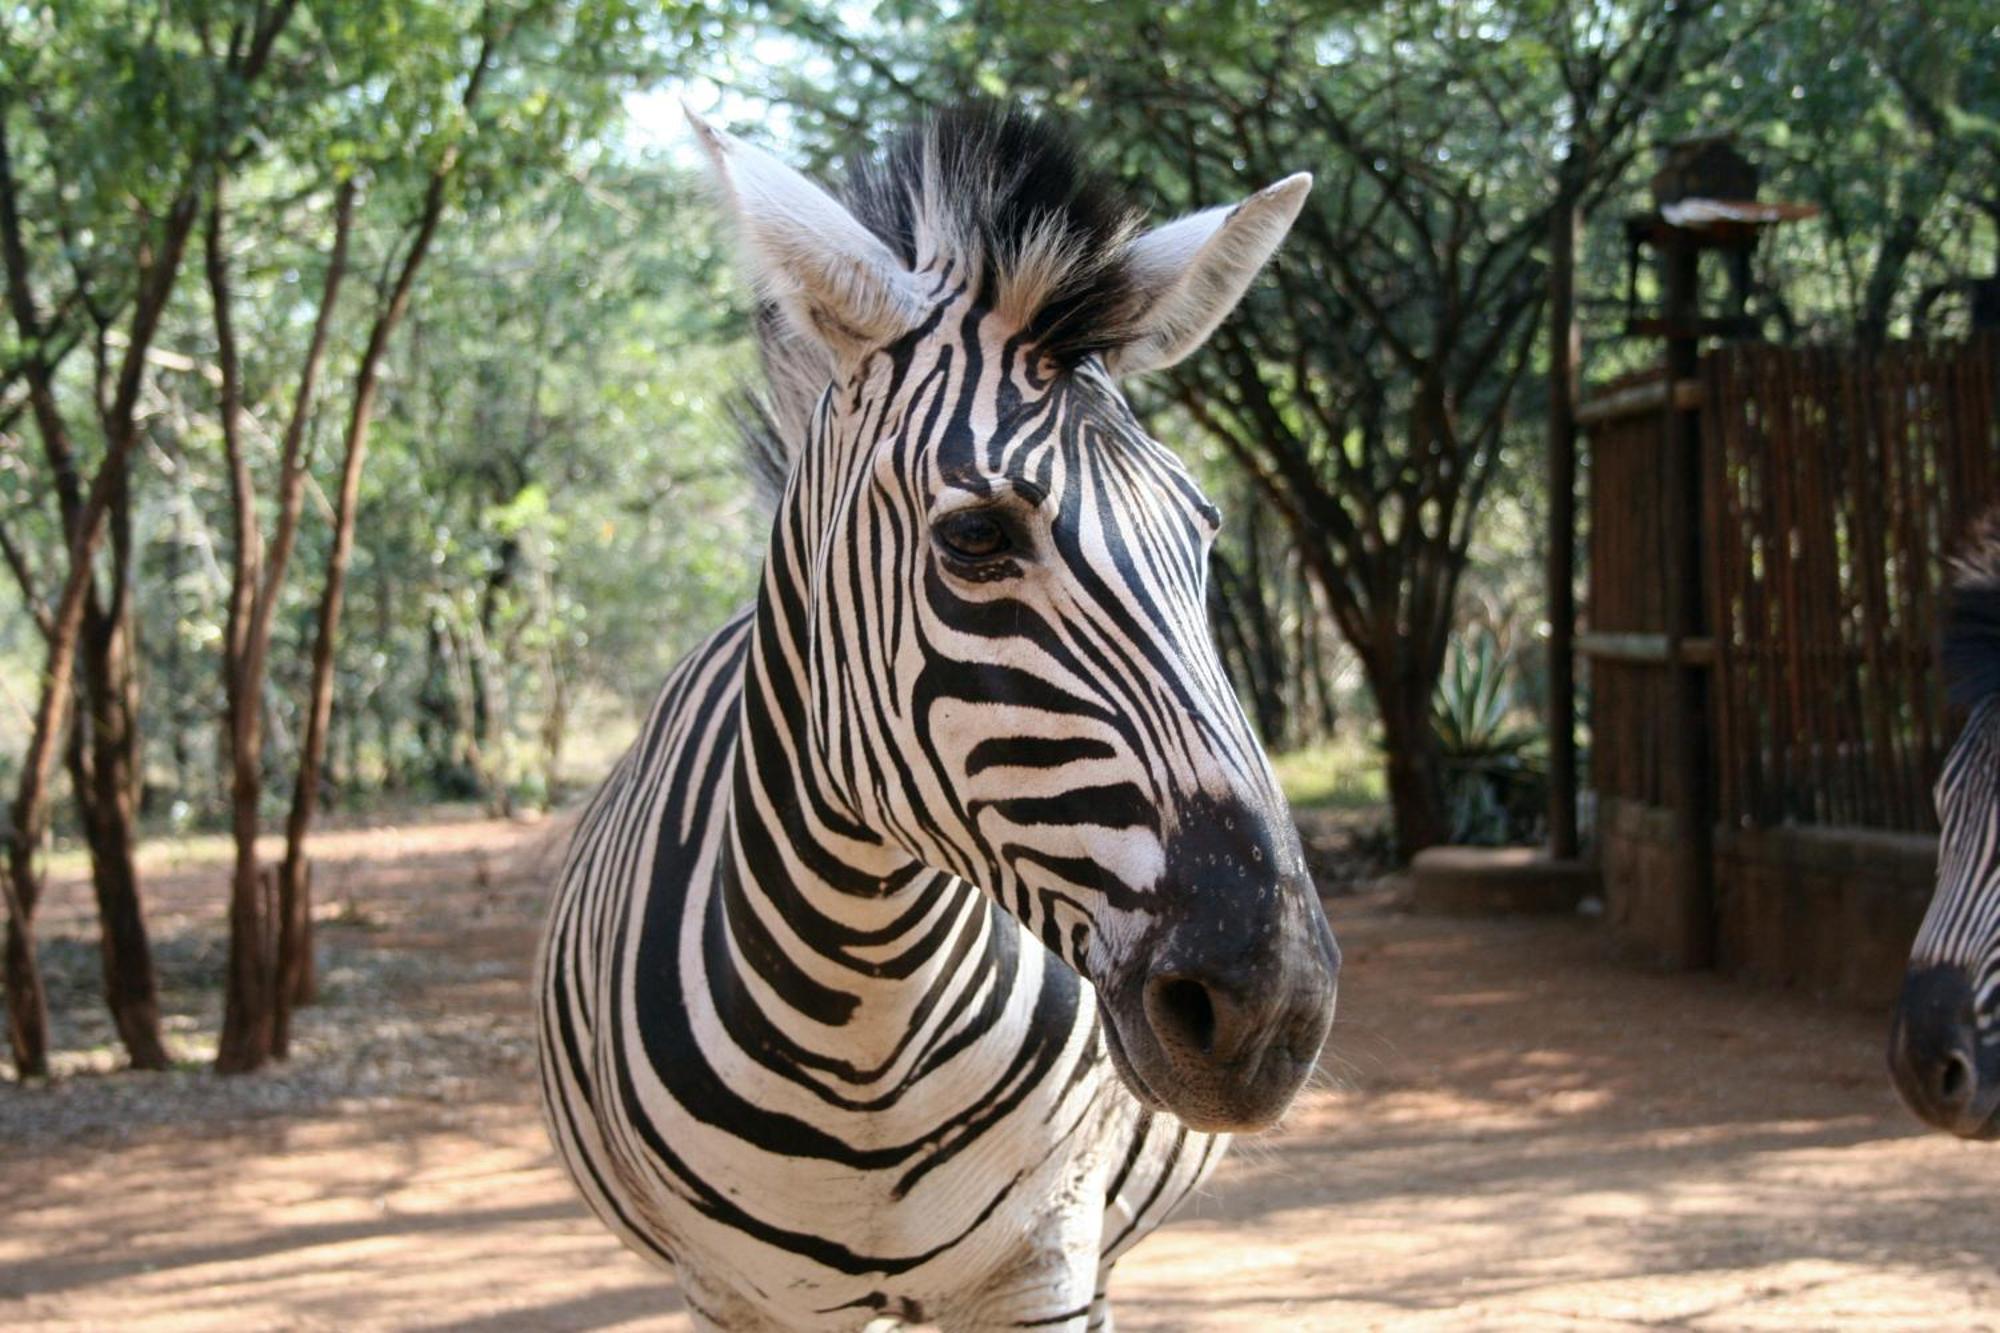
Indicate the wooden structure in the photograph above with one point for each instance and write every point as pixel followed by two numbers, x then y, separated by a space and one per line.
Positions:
pixel 1767 530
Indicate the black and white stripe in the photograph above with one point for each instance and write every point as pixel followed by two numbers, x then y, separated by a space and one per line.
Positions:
pixel 1945 1046
pixel 945 915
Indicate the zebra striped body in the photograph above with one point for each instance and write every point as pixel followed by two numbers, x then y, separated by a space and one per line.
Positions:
pixel 818 1198
pixel 912 963
pixel 1944 1049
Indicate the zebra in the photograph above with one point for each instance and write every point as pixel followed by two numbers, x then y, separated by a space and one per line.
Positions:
pixel 945 918
pixel 1944 1045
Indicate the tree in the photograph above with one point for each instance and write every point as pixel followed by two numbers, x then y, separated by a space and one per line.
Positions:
pixel 1267 625
pixel 1365 391
pixel 151 170
pixel 1888 118
pixel 271 970
pixel 259 972
pixel 556 412
pixel 1369 390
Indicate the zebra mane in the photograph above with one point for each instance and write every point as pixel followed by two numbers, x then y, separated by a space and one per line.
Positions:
pixel 1005 198
pixel 1008 199
pixel 1971 656
pixel 771 421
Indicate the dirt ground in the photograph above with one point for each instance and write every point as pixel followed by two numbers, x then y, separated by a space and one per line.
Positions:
pixel 1516 1130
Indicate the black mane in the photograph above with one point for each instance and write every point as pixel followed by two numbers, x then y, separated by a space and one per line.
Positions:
pixel 1971 655
pixel 1002 179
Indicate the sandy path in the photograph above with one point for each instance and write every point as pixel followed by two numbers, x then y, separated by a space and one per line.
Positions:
pixel 1518 1132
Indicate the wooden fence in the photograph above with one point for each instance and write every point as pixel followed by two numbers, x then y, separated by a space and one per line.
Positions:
pixel 1835 481
pixel 1630 546
pixel 1767 546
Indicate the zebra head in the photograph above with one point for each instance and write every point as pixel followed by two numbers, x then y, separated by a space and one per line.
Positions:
pixel 1944 1049
pixel 1001 581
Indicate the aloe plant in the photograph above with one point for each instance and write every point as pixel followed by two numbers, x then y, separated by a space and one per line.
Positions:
pixel 1493 782
pixel 1477 702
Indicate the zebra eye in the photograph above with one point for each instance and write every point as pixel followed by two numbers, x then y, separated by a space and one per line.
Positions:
pixel 974 534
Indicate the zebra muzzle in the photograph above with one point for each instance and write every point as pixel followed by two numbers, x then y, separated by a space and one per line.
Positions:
pixel 1946 1075
pixel 1224 1037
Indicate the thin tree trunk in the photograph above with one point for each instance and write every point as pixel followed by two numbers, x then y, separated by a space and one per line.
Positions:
pixel 111 694
pixel 296 982
pixel 250 1004
pixel 1266 638
pixel 27 1001
pixel 294 881
pixel 437 724
pixel 1326 713
pixel 489 683
pixel 555 727
pixel 1563 353
pixel 1227 628
pixel 264 938
pixel 1892 257
pixel 1238 617
pixel 177 709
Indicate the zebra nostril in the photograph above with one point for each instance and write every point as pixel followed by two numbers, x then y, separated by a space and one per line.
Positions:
pixel 1954 1080
pixel 1182 1013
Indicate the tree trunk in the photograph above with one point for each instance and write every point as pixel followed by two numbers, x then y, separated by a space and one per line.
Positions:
pixel 295 982
pixel 249 1011
pixel 1237 619
pixel 1262 629
pixel 28 814
pixel 489 683
pixel 438 712
pixel 157 268
pixel 555 727
pixel 175 670
pixel 103 764
pixel 294 882
pixel 263 936
pixel 350 780
pixel 27 1000
pixel 1892 257
pixel 1564 350
pixel 1321 677
pixel 1416 791
pixel 385 741
pixel 250 1001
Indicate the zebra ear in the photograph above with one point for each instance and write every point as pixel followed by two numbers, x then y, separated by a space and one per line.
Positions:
pixel 832 277
pixel 1193 271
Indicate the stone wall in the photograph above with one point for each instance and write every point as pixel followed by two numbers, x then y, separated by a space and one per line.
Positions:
pixel 1643 902
pixel 1827 910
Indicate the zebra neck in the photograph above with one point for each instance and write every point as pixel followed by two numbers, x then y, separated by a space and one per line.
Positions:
pixel 863 960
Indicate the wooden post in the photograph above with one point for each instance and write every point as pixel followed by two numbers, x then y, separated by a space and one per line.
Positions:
pixel 1563 358
pixel 1693 787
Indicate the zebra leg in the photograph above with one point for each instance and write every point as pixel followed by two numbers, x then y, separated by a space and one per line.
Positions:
pixel 1054 1287
pixel 718 1310
pixel 1100 1309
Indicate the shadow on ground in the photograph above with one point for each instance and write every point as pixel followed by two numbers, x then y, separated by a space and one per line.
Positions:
pixel 1514 1130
